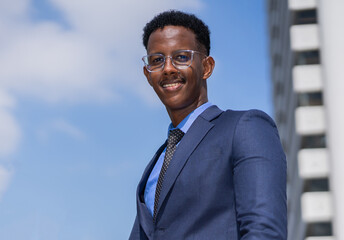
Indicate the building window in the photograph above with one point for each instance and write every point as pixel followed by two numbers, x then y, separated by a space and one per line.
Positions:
pixel 305 17
pixel 273 5
pixel 307 57
pixel 316 185
pixel 310 99
pixel 278 88
pixel 280 118
pixel 274 32
pixel 277 60
pixel 314 141
pixel 319 229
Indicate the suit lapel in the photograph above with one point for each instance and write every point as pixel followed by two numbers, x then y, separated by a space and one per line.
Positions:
pixel 187 145
pixel 145 218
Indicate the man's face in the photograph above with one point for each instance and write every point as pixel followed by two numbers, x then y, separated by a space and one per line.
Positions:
pixel 178 89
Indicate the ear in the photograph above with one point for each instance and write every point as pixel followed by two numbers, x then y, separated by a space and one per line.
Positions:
pixel 208 67
pixel 147 74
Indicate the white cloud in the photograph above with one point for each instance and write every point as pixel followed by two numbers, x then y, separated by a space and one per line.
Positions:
pixel 5 176
pixel 9 137
pixel 13 9
pixel 91 55
pixel 98 54
pixel 54 65
pixel 59 126
pixel 6 101
pixel 68 128
pixel 9 129
pixel 9 133
pixel 91 60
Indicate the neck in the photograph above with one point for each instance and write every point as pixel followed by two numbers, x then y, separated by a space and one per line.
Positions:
pixel 177 115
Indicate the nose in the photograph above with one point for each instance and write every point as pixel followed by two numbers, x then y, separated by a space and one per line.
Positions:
pixel 169 68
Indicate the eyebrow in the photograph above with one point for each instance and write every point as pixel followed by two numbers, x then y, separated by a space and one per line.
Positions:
pixel 172 52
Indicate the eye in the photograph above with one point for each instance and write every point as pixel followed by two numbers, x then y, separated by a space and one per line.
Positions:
pixel 181 57
pixel 156 60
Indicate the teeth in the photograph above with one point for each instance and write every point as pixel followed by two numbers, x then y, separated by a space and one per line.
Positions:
pixel 170 85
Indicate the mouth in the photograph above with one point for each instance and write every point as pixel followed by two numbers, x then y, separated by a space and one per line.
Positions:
pixel 172 85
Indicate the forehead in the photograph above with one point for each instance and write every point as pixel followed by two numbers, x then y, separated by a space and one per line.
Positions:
pixel 171 38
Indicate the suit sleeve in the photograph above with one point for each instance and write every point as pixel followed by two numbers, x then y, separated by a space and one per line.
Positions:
pixel 259 170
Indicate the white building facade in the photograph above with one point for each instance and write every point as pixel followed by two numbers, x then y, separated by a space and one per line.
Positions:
pixel 307 71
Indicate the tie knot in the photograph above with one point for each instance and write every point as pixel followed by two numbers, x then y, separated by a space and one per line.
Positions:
pixel 175 136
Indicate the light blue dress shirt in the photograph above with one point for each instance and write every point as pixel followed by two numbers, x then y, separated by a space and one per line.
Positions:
pixel 184 125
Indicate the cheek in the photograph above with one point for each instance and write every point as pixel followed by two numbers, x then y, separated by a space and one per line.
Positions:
pixel 153 79
pixel 197 70
pixel 194 77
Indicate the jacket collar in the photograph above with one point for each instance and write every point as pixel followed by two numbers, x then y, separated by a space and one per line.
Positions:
pixel 187 145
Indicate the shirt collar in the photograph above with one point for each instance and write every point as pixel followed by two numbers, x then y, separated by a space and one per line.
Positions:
pixel 189 119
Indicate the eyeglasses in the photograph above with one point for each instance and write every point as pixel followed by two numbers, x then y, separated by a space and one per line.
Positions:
pixel 180 59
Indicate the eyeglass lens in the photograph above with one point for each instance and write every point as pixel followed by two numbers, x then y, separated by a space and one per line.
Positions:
pixel 181 59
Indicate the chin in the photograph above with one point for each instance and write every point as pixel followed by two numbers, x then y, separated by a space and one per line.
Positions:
pixel 173 102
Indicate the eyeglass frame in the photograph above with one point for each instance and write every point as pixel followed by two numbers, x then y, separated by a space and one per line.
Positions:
pixel 165 57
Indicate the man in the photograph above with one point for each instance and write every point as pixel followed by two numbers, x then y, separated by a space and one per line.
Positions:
pixel 226 177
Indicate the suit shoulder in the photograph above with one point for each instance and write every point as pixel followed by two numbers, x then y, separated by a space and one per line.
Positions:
pixel 256 131
pixel 252 114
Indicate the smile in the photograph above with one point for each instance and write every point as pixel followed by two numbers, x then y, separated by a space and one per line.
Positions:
pixel 172 86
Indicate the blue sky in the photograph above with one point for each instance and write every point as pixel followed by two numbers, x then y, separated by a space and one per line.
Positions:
pixel 78 121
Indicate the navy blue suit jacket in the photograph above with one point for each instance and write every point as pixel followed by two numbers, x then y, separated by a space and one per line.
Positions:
pixel 226 180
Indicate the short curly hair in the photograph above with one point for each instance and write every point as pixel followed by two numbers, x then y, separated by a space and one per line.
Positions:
pixel 178 18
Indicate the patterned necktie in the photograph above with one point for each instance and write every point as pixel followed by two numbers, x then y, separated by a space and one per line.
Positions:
pixel 173 138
